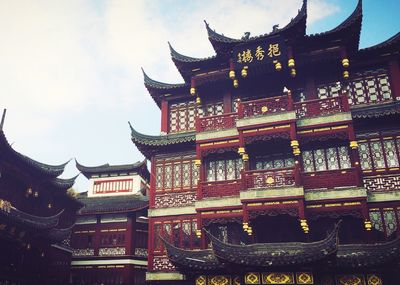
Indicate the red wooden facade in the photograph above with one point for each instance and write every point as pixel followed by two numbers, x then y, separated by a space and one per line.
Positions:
pixel 109 238
pixel 251 163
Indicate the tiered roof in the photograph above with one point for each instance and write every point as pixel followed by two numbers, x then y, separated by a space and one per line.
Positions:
pixel 113 204
pixel 327 252
pixel 139 167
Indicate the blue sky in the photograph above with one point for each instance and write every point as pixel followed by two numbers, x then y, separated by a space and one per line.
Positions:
pixel 70 70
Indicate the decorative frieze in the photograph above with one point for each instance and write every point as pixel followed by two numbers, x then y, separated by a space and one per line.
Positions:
pixel 111 251
pixel 142 252
pixel 382 183
pixel 162 263
pixel 83 252
pixel 175 200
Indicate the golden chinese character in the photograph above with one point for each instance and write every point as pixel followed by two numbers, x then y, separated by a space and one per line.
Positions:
pixel 246 56
pixel 240 60
pixel 260 53
pixel 273 50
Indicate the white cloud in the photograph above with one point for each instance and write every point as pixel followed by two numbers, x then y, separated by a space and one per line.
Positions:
pixel 72 68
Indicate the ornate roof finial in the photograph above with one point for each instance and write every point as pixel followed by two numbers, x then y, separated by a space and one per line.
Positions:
pixel 275 28
pixel 246 36
pixel 2 119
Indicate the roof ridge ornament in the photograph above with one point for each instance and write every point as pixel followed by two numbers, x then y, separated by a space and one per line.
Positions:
pixel 3 117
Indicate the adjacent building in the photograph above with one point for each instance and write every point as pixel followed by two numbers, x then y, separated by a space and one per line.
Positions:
pixel 110 235
pixel 36 217
pixel 278 161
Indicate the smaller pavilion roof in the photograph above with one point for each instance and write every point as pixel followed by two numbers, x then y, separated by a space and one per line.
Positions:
pixel 139 167
pixel 123 203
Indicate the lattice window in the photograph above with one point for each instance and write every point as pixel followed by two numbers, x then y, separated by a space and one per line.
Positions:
pixel 308 161
pixel 390 221
pixel 319 159
pixel 326 159
pixel 376 220
pixel 219 170
pixel 176 173
pixel 365 157
pixel 186 233
pixel 176 233
pixel 235 105
pixel 182 117
pixel 332 158
pixel 181 233
pixel 274 162
pixel 328 91
pixel 213 109
pixel 370 87
pixel 157 239
pixel 186 174
pixel 379 153
pixel 390 152
pixel 168 177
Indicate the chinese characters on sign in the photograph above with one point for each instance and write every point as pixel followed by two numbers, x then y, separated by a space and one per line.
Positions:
pixel 259 53
pixel 247 55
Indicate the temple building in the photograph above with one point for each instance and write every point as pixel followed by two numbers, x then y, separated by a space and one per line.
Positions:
pixel 110 235
pixel 278 161
pixel 36 217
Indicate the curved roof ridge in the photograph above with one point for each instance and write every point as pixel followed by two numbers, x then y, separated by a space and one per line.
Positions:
pixel 212 34
pixel 163 139
pixel 393 39
pixel 64 183
pixel 356 15
pixel 149 82
pixel 184 58
pixel 50 170
pixel 88 171
pixel 302 14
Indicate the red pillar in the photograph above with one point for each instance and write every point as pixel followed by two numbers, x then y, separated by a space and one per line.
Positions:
pixel 394 75
pixel 164 116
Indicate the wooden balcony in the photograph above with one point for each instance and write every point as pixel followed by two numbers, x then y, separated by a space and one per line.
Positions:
pixel 216 123
pixel 270 178
pixel 265 106
pixel 321 107
pixel 220 188
pixel 330 179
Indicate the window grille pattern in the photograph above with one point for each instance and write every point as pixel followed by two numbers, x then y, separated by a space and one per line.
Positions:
pixel 379 153
pixel 366 87
pixel 326 159
pixel 176 173
pixel 182 117
pixel 180 232
pixel 328 91
pixel 385 220
pixel 220 170
pixel 213 109
pixel 274 162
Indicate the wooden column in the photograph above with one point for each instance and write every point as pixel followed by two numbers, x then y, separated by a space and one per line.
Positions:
pixel 152 183
pixel 227 102
pixel 394 77
pixel 164 116
pixel 311 89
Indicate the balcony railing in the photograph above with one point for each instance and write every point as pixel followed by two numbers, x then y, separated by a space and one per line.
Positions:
pixel 331 178
pixel 265 106
pixel 320 107
pixel 220 188
pixel 216 123
pixel 270 178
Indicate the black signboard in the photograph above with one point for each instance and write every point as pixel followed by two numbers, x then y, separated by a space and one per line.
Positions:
pixel 263 52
